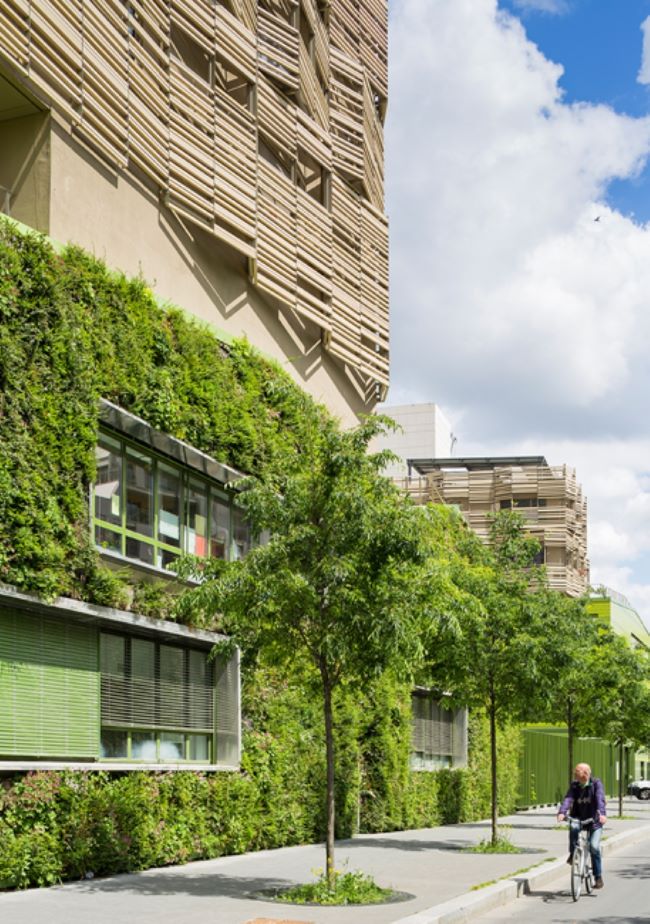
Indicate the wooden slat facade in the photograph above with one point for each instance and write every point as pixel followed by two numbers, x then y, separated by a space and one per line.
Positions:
pixel 221 103
pixel 549 498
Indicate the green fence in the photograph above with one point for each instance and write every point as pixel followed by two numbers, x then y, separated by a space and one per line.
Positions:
pixel 543 764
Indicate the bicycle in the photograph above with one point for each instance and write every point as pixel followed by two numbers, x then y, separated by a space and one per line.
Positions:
pixel 581 870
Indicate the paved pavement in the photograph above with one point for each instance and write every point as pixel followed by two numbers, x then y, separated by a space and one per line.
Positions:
pixel 624 900
pixel 445 884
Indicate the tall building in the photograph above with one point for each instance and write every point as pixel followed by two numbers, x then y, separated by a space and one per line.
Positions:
pixel 230 151
pixel 549 498
pixel 423 432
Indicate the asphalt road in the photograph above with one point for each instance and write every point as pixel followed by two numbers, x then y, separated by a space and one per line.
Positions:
pixel 625 899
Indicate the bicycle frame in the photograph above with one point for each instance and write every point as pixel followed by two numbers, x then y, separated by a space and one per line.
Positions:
pixel 581 871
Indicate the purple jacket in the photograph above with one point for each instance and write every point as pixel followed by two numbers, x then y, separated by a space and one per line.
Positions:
pixel 585 801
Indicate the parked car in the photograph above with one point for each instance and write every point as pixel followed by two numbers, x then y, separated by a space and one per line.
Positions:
pixel 639 788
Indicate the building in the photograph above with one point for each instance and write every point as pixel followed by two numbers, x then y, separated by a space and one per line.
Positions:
pixel 617 611
pixel 95 687
pixel 230 151
pixel 424 433
pixel 549 499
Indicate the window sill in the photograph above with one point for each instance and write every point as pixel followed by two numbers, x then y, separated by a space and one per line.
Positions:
pixel 13 766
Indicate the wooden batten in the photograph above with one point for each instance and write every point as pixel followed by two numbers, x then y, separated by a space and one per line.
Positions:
pixel 258 120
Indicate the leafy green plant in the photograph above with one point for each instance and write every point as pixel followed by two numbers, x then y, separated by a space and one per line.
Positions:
pixel 352 888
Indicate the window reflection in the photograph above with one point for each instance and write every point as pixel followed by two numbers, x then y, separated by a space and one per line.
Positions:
pixel 139 493
pixel 108 482
pixel 241 533
pixel 219 529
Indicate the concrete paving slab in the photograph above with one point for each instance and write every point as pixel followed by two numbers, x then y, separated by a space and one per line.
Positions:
pixel 429 864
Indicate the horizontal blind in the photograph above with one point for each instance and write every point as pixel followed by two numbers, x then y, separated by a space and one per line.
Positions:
pixel 49 687
pixel 145 684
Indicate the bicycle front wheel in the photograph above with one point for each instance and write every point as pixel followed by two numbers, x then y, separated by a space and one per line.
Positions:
pixel 576 874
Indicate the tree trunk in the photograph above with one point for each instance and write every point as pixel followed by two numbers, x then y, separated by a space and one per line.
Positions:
pixel 569 725
pixel 493 764
pixel 329 750
pixel 620 777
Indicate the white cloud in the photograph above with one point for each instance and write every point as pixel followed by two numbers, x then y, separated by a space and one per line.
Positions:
pixel 543 6
pixel 512 306
pixel 644 71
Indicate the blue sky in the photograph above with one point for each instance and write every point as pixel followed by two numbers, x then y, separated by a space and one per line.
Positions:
pixel 599 45
pixel 512 125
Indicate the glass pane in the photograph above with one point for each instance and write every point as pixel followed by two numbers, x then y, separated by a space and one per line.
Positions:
pixel 143 746
pixel 112 654
pixel 169 506
pixel 108 482
pixel 200 695
pixel 172 746
pixel 199 747
pixel 108 539
pixel 172 675
pixel 219 529
pixel 197 521
pixel 139 493
pixel 143 686
pixel 167 559
pixel 114 743
pixel 242 533
pixel 115 687
pixel 143 551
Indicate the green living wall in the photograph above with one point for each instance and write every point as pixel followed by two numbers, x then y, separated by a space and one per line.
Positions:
pixel 70 333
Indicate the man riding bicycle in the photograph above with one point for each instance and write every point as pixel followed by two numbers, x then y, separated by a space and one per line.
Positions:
pixel 585 800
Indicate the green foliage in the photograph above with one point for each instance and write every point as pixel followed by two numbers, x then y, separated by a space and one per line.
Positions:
pixel 353 888
pixel 502 844
pixel 70 333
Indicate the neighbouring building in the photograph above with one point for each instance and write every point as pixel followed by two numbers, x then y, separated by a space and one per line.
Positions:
pixel 617 611
pixel 424 432
pixel 549 498
pixel 230 151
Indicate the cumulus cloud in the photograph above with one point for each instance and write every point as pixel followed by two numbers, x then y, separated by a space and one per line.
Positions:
pixel 644 71
pixel 519 299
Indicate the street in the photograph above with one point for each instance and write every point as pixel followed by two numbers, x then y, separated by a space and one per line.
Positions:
pixel 625 899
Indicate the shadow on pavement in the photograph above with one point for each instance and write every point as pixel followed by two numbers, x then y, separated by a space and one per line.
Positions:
pixel 209 885
pixel 639 871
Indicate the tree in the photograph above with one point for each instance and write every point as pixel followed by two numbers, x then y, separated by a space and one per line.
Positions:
pixel 337 586
pixel 499 661
pixel 619 708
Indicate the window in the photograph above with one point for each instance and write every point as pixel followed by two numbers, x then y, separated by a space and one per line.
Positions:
pixel 157 700
pixel 521 502
pixel 439 734
pixel 149 510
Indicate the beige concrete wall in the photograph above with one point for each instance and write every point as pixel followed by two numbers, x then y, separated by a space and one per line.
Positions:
pixel 122 221
pixel 25 169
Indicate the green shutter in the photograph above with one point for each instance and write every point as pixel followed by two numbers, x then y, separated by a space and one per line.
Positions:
pixel 49 687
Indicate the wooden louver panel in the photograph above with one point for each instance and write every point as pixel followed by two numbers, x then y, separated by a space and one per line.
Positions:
pixel 233 109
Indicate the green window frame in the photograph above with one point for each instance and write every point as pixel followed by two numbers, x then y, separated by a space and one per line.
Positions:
pixel 147 509
pixel 157 700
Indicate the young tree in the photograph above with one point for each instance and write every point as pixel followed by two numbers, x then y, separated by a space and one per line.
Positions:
pixel 500 660
pixel 337 585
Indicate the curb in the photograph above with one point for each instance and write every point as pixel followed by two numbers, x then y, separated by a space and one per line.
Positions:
pixel 472 904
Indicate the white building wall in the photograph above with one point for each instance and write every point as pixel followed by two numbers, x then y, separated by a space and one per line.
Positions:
pixel 425 434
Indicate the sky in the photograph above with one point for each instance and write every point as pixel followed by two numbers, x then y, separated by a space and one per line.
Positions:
pixel 518 194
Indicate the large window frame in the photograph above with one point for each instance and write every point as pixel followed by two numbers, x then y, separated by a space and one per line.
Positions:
pixel 129 517
pixel 439 733
pixel 137 702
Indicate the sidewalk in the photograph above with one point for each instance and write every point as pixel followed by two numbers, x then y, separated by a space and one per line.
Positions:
pixel 428 864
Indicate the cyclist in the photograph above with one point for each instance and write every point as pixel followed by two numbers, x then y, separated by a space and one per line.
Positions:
pixel 585 799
